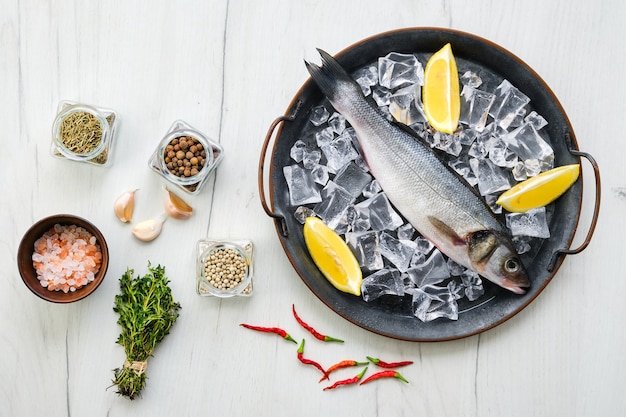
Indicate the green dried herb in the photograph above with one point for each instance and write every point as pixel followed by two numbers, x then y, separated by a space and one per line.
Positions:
pixel 81 132
pixel 146 311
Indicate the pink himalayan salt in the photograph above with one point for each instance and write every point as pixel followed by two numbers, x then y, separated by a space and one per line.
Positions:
pixel 66 258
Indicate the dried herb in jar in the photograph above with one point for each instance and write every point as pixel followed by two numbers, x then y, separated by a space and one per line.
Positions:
pixel 81 132
pixel 147 311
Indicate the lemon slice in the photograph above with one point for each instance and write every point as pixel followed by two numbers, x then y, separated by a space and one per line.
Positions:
pixel 440 93
pixel 332 256
pixel 540 190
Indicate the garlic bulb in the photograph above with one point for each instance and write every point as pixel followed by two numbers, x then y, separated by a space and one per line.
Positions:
pixel 124 206
pixel 148 230
pixel 176 206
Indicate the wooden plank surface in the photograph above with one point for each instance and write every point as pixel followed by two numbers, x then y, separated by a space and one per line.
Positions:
pixel 229 68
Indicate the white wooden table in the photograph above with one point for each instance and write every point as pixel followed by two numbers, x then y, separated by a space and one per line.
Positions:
pixel 229 68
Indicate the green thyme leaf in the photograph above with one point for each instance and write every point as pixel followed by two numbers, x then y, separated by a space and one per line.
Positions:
pixel 147 311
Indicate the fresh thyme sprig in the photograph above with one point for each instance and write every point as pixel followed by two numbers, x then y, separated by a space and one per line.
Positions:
pixel 146 311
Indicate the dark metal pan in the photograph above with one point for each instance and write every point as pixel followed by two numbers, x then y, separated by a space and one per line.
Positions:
pixel 543 262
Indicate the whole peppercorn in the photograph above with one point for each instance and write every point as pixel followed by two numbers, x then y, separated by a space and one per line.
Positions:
pixel 186 155
pixel 225 268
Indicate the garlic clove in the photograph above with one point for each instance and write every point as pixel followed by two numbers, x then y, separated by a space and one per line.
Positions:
pixel 124 206
pixel 148 230
pixel 176 206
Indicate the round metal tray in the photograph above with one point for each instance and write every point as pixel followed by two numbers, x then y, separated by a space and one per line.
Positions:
pixel 497 305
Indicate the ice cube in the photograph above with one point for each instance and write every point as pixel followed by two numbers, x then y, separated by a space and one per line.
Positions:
pixel 319 115
pixel 365 247
pixel 371 189
pixel 467 136
pixel 456 289
pixel 353 179
pixel 396 70
pixel 302 213
pixel 335 201
pixel 424 245
pixel 519 171
pixel 522 244
pixel 324 137
pixel 396 251
pixel 405 106
pixel 475 105
pixel 383 282
pixel 434 302
pixel 491 199
pixel 471 79
pixel 509 102
pixel 532 167
pixel 302 188
pixel 491 178
pixel 311 159
pixel 382 97
pixel 527 143
pixel 454 268
pixel 360 221
pixel 533 223
pixel 406 232
pixel 536 120
pixel 320 175
pixel 382 216
pixel 297 151
pixel 338 153
pixel 337 123
pixel 431 272
pixel 500 154
pixel 366 78
pixel 446 142
pixel 462 167
pixel 473 285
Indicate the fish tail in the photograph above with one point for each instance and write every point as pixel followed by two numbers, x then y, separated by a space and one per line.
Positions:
pixel 329 76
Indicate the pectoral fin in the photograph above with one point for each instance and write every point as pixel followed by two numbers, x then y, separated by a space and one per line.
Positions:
pixel 446 230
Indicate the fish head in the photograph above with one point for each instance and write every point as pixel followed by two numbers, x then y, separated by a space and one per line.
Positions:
pixel 493 256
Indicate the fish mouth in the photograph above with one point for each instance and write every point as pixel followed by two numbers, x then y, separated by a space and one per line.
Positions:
pixel 514 287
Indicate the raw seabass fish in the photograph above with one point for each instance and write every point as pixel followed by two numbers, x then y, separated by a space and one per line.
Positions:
pixel 436 201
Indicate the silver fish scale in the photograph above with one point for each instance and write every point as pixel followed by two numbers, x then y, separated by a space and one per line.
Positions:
pixel 414 179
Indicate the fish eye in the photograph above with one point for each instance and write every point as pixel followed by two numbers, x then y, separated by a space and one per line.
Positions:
pixel 512 265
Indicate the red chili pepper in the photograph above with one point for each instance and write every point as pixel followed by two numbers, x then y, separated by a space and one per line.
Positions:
pixel 314 332
pixel 385 374
pixel 342 364
pixel 384 364
pixel 348 381
pixel 276 330
pixel 309 361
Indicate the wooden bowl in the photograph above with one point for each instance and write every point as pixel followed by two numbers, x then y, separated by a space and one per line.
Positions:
pixel 27 270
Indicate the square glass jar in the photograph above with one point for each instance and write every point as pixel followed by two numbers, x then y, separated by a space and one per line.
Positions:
pixel 73 131
pixel 206 283
pixel 193 182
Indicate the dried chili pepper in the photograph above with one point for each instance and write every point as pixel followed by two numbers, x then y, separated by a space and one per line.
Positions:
pixel 309 361
pixel 384 364
pixel 342 364
pixel 348 381
pixel 314 332
pixel 385 374
pixel 276 330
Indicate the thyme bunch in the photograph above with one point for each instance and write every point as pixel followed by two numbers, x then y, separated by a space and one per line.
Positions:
pixel 147 311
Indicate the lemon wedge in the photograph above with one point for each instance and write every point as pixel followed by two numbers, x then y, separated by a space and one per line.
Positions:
pixel 540 190
pixel 332 256
pixel 440 93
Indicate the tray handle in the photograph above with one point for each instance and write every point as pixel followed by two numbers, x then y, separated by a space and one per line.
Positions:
pixel 279 219
pixel 596 210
